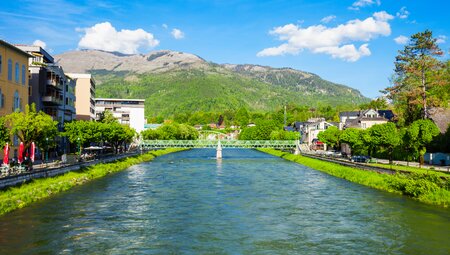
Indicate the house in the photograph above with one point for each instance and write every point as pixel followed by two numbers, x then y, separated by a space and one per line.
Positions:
pixel 364 119
pixel 441 117
pixel 127 111
pixel 310 129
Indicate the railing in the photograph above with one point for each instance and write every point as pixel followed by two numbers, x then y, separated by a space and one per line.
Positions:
pixel 277 144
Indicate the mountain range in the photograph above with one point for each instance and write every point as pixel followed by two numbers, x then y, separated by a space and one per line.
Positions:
pixel 176 82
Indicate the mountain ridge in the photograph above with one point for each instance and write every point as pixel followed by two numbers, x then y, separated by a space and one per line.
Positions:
pixel 173 81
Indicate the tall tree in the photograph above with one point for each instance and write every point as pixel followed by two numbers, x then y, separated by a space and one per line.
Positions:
pixel 415 75
pixel 386 136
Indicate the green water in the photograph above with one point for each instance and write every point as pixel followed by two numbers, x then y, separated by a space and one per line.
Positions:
pixel 247 203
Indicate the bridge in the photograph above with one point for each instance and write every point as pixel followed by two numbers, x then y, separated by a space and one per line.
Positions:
pixel 276 144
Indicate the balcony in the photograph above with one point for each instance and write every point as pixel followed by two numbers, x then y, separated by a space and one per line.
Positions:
pixel 52 100
pixel 55 83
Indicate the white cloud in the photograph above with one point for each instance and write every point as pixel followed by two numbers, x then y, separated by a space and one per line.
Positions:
pixel 403 13
pixel 177 34
pixel 328 19
pixel 401 39
pixel 334 41
pixel 40 43
pixel 103 36
pixel 441 39
pixel 165 26
pixel 363 3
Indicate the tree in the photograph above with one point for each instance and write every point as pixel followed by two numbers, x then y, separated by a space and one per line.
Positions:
pixel 421 133
pixel 386 136
pixel 117 134
pixel 4 133
pixel 107 117
pixel 330 136
pixel 415 76
pixel 379 103
pixel 261 131
pixel 284 135
pixel 353 137
pixel 31 126
pixel 242 117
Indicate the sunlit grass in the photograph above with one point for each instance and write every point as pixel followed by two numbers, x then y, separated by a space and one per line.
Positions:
pixel 21 196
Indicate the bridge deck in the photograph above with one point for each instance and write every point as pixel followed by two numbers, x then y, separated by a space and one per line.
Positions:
pixel 148 144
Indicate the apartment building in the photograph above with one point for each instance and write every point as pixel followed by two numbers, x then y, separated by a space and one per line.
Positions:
pixel 85 94
pixel 13 78
pixel 127 111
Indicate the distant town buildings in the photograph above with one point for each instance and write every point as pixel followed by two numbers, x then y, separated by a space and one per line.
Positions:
pixel 85 94
pixel 310 129
pixel 364 119
pixel 127 111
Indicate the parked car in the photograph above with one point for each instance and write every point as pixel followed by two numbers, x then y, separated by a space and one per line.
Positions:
pixel 360 159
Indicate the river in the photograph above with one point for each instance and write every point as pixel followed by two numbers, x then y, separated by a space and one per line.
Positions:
pixel 247 203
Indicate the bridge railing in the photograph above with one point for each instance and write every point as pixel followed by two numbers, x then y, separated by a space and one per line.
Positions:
pixel 279 144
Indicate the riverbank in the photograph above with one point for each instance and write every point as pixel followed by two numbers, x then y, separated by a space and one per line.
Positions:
pixel 18 197
pixel 427 188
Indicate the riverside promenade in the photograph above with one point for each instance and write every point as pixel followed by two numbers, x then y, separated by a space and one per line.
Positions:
pixel 53 169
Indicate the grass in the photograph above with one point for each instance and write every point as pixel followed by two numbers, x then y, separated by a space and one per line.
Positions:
pixel 18 197
pixel 412 169
pixel 425 187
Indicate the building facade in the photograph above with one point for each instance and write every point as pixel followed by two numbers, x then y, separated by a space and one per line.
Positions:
pixel 85 94
pixel 127 111
pixel 13 78
pixel 364 119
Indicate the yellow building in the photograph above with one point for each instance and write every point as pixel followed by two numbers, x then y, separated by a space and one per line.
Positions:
pixel 13 84
pixel 13 78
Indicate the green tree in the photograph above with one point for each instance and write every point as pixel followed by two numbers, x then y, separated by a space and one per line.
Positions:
pixel 415 76
pixel 4 133
pixel 31 126
pixel 330 136
pixel 261 131
pixel 379 103
pixel 242 117
pixel 117 134
pixel 421 133
pixel 386 136
pixel 353 137
pixel 284 135
pixel 107 117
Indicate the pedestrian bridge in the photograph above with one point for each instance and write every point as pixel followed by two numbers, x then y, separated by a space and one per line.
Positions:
pixel 276 144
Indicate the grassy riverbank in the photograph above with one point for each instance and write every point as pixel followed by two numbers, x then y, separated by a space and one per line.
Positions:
pixel 21 196
pixel 427 188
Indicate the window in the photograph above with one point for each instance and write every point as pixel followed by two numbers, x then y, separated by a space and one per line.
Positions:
pixel 16 101
pixel 9 69
pixel 16 76
pixel 23 74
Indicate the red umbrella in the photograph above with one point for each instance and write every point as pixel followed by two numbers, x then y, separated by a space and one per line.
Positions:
pixel 6 154
pixel 20 157
pixel 32 151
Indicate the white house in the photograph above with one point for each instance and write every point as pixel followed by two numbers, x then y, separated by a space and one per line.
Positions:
pixel 127 111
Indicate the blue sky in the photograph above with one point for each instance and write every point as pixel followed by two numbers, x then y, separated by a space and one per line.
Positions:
pixel 352 42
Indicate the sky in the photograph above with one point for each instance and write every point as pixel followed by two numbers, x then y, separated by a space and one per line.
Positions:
pixel 350 42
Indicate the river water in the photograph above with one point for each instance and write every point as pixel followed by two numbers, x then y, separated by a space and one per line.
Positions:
pixel 247 203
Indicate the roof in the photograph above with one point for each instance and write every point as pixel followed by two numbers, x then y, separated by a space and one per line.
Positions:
pixel 441 117
pixel 349 114
pixel 12 47
pixel 118 99
pixel 36 50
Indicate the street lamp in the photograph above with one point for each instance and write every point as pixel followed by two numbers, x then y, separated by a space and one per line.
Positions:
pixel 46 151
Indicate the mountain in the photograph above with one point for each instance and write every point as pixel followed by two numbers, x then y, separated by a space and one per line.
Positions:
pixel 176 82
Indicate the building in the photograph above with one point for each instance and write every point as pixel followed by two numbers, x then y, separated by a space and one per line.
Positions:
pixel 13 78
pixel 50 89
pixel 14 88
pixel 85 94
pixel 127 111
pixel 364 119
pixel 309 130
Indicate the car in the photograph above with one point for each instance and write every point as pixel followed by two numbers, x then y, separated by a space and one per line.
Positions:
pixel 360 159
